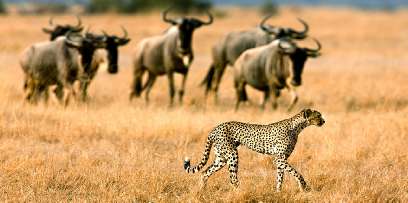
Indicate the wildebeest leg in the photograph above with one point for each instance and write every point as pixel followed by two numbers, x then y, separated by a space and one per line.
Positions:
pixel 149 84
pixel 83 86
pixel 241 94
pixel 34 93
pixel 294 98
pixel 69 92
pixel 266 99
pixel 41 92
pixel 172 89
pixel 182 87
pixel 59 92
pixel 45 92
pixel 37 89
pixel 29 89
pixel 275 94
pixel 244 95
pixel 67 95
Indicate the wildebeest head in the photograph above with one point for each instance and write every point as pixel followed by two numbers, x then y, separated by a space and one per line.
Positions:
pixel 112 44
pixel 298 57
pixel 86 46
pixel 186 27
pixel 281 32
pixel 60 30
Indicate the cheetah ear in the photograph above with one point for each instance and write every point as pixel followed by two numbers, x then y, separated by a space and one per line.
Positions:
pixel 307 113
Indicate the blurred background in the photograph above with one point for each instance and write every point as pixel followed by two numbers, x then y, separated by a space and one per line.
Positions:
pixel 184 6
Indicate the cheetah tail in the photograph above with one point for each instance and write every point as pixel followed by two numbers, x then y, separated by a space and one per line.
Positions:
pixel 206 155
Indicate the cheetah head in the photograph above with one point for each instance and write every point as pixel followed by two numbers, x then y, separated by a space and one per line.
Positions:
pixel 313 117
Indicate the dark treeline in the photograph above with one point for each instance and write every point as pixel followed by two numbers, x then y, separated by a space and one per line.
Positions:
pixel 2 7
pixel 133 6
pixel 120 6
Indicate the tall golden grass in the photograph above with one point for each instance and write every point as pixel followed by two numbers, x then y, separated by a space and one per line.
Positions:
pixel 114 150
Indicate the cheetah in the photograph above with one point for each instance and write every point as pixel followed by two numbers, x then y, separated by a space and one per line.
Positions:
pixel 277 139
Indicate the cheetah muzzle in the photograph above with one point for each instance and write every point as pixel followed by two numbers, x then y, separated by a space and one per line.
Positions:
pixel 277 139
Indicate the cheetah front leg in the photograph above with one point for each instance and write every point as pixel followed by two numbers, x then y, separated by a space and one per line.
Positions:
pixel 233 167
pixel 282 165
pixel 279 178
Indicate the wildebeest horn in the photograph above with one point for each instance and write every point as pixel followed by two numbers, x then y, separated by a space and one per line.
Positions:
pixel 105 33
pixel 79 24
pixel 46 30
pixel 78 27
pixel 168 20
pixel 125 33
pixel 319 47
pixel 50 21
pixel 87 30
pixel 210 19
pixel 88 34
pixel 262 24
pixel 302 34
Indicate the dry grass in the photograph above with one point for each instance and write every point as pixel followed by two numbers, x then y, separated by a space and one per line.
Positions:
pixel 113 150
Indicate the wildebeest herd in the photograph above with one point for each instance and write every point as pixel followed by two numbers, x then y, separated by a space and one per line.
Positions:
pixel 265 57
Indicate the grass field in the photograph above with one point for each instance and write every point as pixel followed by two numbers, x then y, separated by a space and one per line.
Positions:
pixel 114 150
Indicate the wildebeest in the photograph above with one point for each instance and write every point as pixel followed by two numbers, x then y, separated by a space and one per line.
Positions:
pixel 59 63
pixel 227 51
pixel 110 52
pixel 60 30
pixel 166 54
pixel 112 56
pixel 57 30
pixel 271 68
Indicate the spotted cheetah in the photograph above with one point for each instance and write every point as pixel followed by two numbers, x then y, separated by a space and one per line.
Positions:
pixel 277 139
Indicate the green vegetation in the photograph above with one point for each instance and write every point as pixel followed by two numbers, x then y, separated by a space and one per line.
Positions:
pixel 269 8
pixel 133 6
pixel 2 7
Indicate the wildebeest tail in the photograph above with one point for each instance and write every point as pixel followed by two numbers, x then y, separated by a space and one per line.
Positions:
pixel 137 87
pixel 138 72
pixel 207 81
pixel 206 155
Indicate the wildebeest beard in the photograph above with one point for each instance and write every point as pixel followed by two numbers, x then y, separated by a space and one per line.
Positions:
pixel 185 43
pixel 112 44
pixel 87 53
pixel 112 56
pixel 186 30
pixel 298 59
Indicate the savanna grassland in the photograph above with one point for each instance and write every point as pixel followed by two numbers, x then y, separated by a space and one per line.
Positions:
pixel 114 150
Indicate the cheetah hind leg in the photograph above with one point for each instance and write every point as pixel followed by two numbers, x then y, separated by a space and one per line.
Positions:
pixel 218 163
